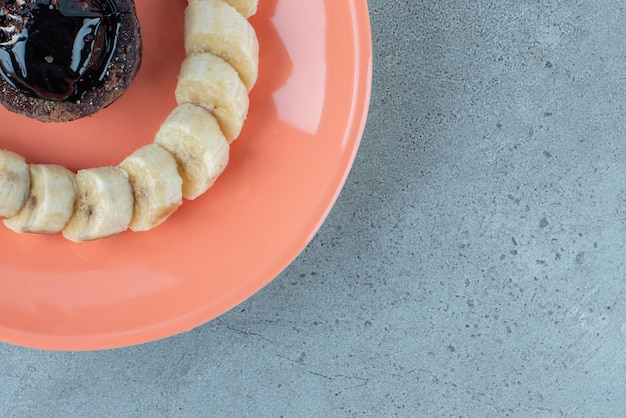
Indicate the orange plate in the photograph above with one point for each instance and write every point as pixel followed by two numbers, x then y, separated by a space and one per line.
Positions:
pixel 307 114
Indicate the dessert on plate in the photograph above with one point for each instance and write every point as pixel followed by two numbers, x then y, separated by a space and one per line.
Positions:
pixel 61 60
pixel 191 147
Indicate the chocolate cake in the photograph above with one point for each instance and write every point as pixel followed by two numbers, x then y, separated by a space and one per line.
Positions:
pixel 61 60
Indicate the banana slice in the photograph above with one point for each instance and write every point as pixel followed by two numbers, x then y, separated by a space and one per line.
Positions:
pixel 104 205
pixel 193 136
pixel 247 8
pixel 210 82
pixel 157 186
pixel 50 203
pixel 14 183
pixel 216 27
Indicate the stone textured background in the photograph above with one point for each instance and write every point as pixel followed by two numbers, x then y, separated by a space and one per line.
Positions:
pixel 473 265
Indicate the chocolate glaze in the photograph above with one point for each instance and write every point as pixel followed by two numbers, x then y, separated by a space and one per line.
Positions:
pixel 57 49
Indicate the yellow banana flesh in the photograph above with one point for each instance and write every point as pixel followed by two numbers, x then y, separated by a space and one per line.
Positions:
pixel 216 27
pixel 50 202
pixel 157 186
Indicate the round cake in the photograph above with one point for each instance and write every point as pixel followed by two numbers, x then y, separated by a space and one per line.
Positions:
pixel 61 60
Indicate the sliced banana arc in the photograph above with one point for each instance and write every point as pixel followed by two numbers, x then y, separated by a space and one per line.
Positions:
pixel 14 183
pixel 194 138
pixel 208 81
pixel 50 202
pixel 217 27
pixel 190 150
pixel 157 186
pixel 104 205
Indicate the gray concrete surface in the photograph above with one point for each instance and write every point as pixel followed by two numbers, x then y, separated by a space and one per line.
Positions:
pixel 472 267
